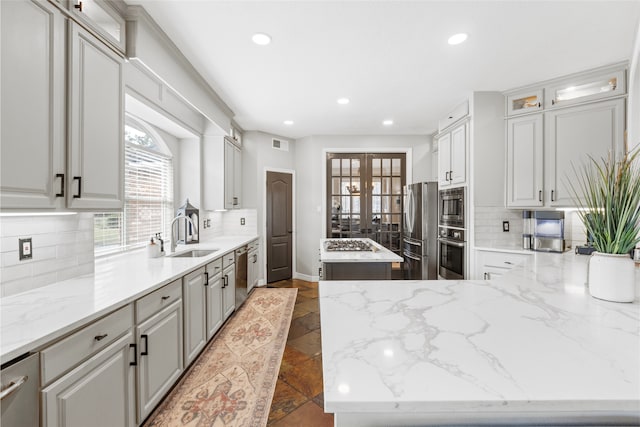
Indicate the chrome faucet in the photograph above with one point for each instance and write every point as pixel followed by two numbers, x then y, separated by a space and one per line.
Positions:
pixel 174 238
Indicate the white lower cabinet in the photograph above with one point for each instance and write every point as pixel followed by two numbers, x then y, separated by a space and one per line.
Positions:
pixel 253 266
pixel 159 345
pixel 493 264
pixel 88 378
pixel 195 312
pixel 228 285
pixel 99 392
pixel 214 297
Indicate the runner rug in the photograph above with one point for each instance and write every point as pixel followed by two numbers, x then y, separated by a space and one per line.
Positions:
pixel 233 380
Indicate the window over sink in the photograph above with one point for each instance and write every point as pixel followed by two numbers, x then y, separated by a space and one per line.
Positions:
pixel 148 183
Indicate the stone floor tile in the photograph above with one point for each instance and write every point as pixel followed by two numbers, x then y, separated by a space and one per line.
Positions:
pixel 307 415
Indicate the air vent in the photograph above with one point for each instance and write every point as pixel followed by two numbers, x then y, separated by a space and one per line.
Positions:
pixel 280 144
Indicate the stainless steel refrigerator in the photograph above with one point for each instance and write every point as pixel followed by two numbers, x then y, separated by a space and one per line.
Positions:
pixel 420 231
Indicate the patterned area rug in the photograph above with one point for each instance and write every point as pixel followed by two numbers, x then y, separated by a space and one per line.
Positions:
pixel 233 380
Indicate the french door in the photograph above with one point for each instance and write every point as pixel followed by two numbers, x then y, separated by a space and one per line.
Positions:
pixel 364 197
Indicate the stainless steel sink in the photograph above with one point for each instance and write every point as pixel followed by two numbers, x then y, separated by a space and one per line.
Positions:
pixel 195 253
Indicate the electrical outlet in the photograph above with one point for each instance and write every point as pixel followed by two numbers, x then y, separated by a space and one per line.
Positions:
pixel 25 249
pixel 208 223
pixel 241 221
pixel 505 226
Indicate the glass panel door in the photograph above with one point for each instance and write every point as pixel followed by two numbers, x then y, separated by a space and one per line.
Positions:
pixel 364 197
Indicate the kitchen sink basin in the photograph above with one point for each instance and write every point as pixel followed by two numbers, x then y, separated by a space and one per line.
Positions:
pixel 196 253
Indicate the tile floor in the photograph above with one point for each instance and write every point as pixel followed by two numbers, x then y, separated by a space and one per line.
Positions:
pixel 298 397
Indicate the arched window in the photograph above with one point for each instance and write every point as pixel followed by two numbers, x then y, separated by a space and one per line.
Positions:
pixel 148 192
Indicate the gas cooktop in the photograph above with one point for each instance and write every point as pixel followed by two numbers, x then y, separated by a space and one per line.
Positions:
pixel 347 245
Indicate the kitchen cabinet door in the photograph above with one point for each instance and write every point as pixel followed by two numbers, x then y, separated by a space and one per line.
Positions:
pixel 525 161
pixel 228 290
pixel 458 173
pixel 99 392
pixel 444 160
pixel 195 312
pixel 222 173
pixel 32 105
pixel 96 123
pixel 573 134
pixel 214 305
pixel 159 341
pixel 232 175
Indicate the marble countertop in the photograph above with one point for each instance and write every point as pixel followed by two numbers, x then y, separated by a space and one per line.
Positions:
pixel 31 319
pixel 379 254
pixel 533 340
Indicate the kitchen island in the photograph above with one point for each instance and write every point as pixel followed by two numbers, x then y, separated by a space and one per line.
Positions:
pixel 531 347
pixel 356 259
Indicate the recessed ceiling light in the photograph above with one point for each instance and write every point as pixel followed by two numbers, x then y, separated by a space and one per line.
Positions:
pixel 457 38
pixel 288 122
pixel 261 38
pixel 343 101
pixel 387 122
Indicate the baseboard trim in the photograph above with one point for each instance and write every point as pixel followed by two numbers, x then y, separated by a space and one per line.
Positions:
pixel 306 277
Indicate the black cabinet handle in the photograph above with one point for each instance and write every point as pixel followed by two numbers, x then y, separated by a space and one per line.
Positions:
pixel 79 179
pixel 450 175
pixel 61 193
pixel 100 337
pixel 166 297
pixel 78 6
pixel 225 281
pixel 146 345
pixel 446 176
pixel 485 276
pixel 540 195
pixel 135 355
pixel 539 104
pixel 206 278
pixel 552 196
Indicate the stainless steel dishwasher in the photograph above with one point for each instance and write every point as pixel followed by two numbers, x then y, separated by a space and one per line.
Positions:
pixel 19 395
pixel 241 276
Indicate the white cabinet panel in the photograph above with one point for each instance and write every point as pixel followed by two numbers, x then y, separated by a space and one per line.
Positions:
pixel 229 290
pixel 195 328
pixel 96 123
pixel 572 134
pixel 160 357
pixel 222 173
pixel 444 159
pixel 99 393
pixel 214 297
pixel 524 161
pixel 33 106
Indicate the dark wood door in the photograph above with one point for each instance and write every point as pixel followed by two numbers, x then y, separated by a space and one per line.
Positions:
pixel 279 226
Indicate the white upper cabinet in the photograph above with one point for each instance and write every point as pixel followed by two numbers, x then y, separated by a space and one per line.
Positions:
pixel 524 102
pixel 33 130
pixel 525 161
pixel 573 134
pixel 62 122
pixel 103 19
pixel 586 87
pixel 452 157
pixel 96 124
pixel 222 173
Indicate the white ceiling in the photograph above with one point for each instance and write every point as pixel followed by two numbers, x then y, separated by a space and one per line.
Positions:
pixel 390 58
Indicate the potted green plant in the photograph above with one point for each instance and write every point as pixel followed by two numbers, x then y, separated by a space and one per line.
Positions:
pixel 607 194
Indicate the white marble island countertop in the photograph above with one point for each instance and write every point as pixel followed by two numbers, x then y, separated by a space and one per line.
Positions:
pixel 378 254
pixel 533 346
pixel 31 319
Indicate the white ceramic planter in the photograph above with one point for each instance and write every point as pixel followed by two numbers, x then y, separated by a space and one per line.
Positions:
pixel 611 277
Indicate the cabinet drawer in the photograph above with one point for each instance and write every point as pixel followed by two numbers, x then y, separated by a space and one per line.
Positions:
pixel 252 245
pixel 228 259
pixel 149 305
pixel 69 352
pixel 214 268
pixel 503 259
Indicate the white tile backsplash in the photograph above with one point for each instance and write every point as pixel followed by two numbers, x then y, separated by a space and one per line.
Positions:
pixel 62 249
pixel 227 223
pixel 488 227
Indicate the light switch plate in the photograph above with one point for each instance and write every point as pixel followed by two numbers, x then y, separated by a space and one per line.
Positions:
pixel 505 226
pixel 241 221
pixel 25 249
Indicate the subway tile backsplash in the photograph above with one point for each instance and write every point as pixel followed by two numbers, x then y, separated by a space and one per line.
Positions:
pixel 227 223
pixel 488 227
pixel 62 249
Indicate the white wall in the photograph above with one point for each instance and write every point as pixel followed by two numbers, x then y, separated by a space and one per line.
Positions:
pixel 310 161
pixel 62 249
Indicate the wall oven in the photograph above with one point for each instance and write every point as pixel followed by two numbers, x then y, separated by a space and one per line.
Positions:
pixel 451 207
pixel 451 253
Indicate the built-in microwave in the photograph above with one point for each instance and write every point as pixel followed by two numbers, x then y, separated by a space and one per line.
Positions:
pixel 451 207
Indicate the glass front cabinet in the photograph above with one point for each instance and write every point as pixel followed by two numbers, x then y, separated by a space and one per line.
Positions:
pixel 586 88
pixel 524 102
